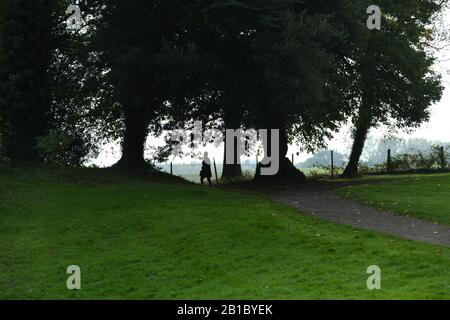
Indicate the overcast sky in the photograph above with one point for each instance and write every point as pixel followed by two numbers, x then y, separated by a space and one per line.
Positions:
pixel 438 128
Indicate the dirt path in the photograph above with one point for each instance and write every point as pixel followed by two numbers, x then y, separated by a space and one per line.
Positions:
pixel 319 201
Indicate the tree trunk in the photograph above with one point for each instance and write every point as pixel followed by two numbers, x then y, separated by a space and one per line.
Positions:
pixel 133 143
pixel 361 131
pixel 287 170
pixel 234 170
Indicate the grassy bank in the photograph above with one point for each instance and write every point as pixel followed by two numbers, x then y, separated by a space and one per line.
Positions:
pixel 138 239
pixel 422 196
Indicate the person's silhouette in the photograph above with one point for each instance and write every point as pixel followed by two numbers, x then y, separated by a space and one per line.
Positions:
pixel 206 169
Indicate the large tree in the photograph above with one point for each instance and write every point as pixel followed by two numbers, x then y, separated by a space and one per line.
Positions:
pixel 139 46
pixel 298 89
pixel 393 70
pixel 28 39
pixel 227 33
pixel 273 67
pixel 222 32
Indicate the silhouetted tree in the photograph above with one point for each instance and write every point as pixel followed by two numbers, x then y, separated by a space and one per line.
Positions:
pixel 393 70
pixel 28 39
pixel 299 86
pixel 139 45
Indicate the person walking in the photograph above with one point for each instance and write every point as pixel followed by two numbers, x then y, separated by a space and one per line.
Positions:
pixel 205 173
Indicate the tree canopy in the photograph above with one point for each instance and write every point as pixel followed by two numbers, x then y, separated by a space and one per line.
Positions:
pixel 392 68
pixel 29 35
pixel 140 67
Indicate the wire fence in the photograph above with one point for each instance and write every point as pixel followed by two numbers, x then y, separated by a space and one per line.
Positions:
pixel 433 161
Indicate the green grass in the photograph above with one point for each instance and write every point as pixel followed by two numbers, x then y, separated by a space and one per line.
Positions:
pixel 422 196
pixel 140 240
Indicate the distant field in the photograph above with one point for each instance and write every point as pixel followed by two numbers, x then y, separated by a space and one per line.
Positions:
pixel 191 172
pixel 147 240
pixel 422 196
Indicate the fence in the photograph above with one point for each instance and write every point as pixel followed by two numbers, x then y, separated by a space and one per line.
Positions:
pixel 436 160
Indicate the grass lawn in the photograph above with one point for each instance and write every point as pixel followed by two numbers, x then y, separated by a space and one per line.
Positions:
pixel 422 196
pixel 140 240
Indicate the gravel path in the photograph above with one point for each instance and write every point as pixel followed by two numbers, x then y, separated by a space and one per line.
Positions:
pixel 321 203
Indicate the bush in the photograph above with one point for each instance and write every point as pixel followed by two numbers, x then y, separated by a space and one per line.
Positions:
pixel 65 150
pixel 433 160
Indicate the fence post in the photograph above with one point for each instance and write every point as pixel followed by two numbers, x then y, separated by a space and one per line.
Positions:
pixel 215 171
pixel 332 163
pixel 389 161
pixel 293 160
pixel 171 168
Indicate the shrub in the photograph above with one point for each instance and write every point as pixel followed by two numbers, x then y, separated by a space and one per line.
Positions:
pixel 65 150
pixel 434 160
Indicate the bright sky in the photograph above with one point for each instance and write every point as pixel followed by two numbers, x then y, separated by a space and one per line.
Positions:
pixel 438 128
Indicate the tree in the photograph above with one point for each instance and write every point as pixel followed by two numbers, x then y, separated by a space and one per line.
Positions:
pixel 261 64
pixel 299 86
pixel 233 25
pixel 393 70
pixel 139 46
pixel 223 36
pixel 28 38
pixel 272 66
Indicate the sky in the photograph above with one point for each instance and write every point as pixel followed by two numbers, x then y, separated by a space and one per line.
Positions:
pixel 436 129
